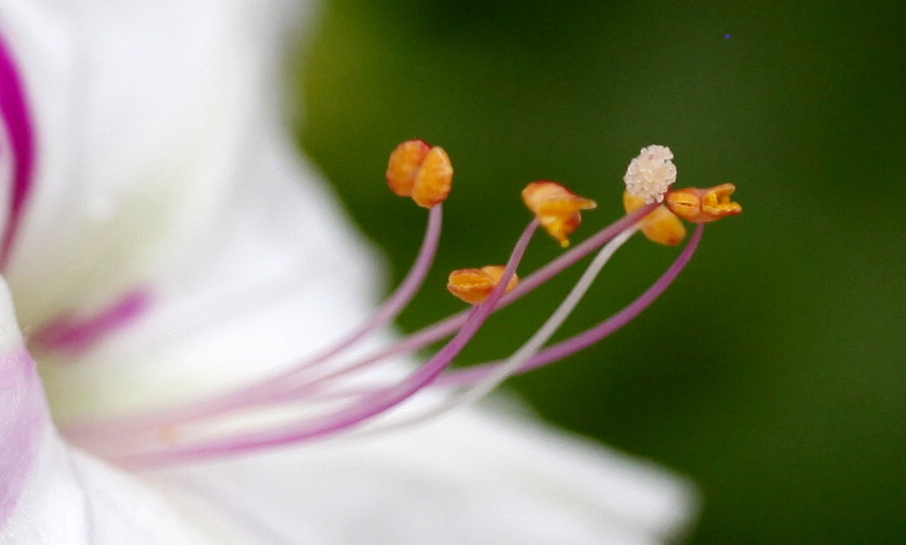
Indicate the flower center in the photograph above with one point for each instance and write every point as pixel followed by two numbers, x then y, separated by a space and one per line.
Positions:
pixel 336 392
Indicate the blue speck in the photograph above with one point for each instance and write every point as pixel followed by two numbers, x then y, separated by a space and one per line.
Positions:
pixel 727 36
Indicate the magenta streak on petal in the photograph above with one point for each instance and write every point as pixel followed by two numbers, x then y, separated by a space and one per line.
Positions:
pixel 23 415
pixel 74 335
pixel 21 136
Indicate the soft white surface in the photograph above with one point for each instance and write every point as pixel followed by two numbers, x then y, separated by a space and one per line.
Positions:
pixel 73 499
pixel 163 164
pixel 468 478
pixel 169 170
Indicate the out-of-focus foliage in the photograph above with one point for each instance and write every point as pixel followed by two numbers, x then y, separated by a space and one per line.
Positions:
pixel 773 372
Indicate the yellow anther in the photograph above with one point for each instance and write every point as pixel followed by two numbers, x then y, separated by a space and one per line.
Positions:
pixel 474 286
pixel 661 225
pixel 418 170
pixel 703 205
pixel 557 208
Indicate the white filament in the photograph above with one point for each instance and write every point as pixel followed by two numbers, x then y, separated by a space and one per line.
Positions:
pixel 529 349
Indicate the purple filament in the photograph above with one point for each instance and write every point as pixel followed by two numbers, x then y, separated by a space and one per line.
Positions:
pixel 590 336
pixel 268 391
pixel 283 388
pixel 530 348
pixel 369 406
pixel 449 326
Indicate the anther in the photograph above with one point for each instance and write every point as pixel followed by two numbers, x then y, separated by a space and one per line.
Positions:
pixel 421 171
pixel 475 285
pixel 661 225
pixel 557 208
pixel 703 205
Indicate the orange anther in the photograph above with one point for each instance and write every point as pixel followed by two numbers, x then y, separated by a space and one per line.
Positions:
pixel 418 170
pixel 474 286
pixel 557 208
pixel 703 205
pixel 661 225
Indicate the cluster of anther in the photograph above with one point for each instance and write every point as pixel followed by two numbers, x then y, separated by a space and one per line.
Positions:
pixel 326 395
pixel 648 180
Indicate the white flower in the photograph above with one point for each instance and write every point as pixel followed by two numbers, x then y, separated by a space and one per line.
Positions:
pixel 164 242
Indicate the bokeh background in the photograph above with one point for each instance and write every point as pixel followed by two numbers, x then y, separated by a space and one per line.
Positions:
pixel 773 372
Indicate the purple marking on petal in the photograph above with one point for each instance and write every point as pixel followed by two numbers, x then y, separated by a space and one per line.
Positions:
pixel 23 415
pixel 16 118
pixel 73 335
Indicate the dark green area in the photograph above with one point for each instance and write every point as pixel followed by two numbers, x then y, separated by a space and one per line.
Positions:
pixel 773 372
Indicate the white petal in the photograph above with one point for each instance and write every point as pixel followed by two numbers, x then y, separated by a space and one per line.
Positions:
pixel 468 478
pixel 71 498
pixel 162 166
pixel 282 276
pixel 143 111
pixel 49 494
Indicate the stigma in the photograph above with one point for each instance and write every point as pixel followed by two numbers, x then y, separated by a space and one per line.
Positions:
pixel 334 393
pixel 650 174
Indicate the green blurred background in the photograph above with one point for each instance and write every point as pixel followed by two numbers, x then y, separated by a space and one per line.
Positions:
pixel 773 371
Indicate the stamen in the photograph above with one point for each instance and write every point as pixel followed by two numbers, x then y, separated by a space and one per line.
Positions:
pixel 498 373
pixel 418 170
pixel 269 391
pixel 446 327
pixel 591 336
pixel 336 396
pixel 274 389
pixel 704 205
pixel 286 386
pixel 357 412
pixel 661 225
pixel 475 285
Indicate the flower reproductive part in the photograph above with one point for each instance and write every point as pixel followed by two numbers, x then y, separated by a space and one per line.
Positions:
pixel 337 387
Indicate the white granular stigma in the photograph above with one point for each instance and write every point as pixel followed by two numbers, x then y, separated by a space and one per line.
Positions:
pixel 651 173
